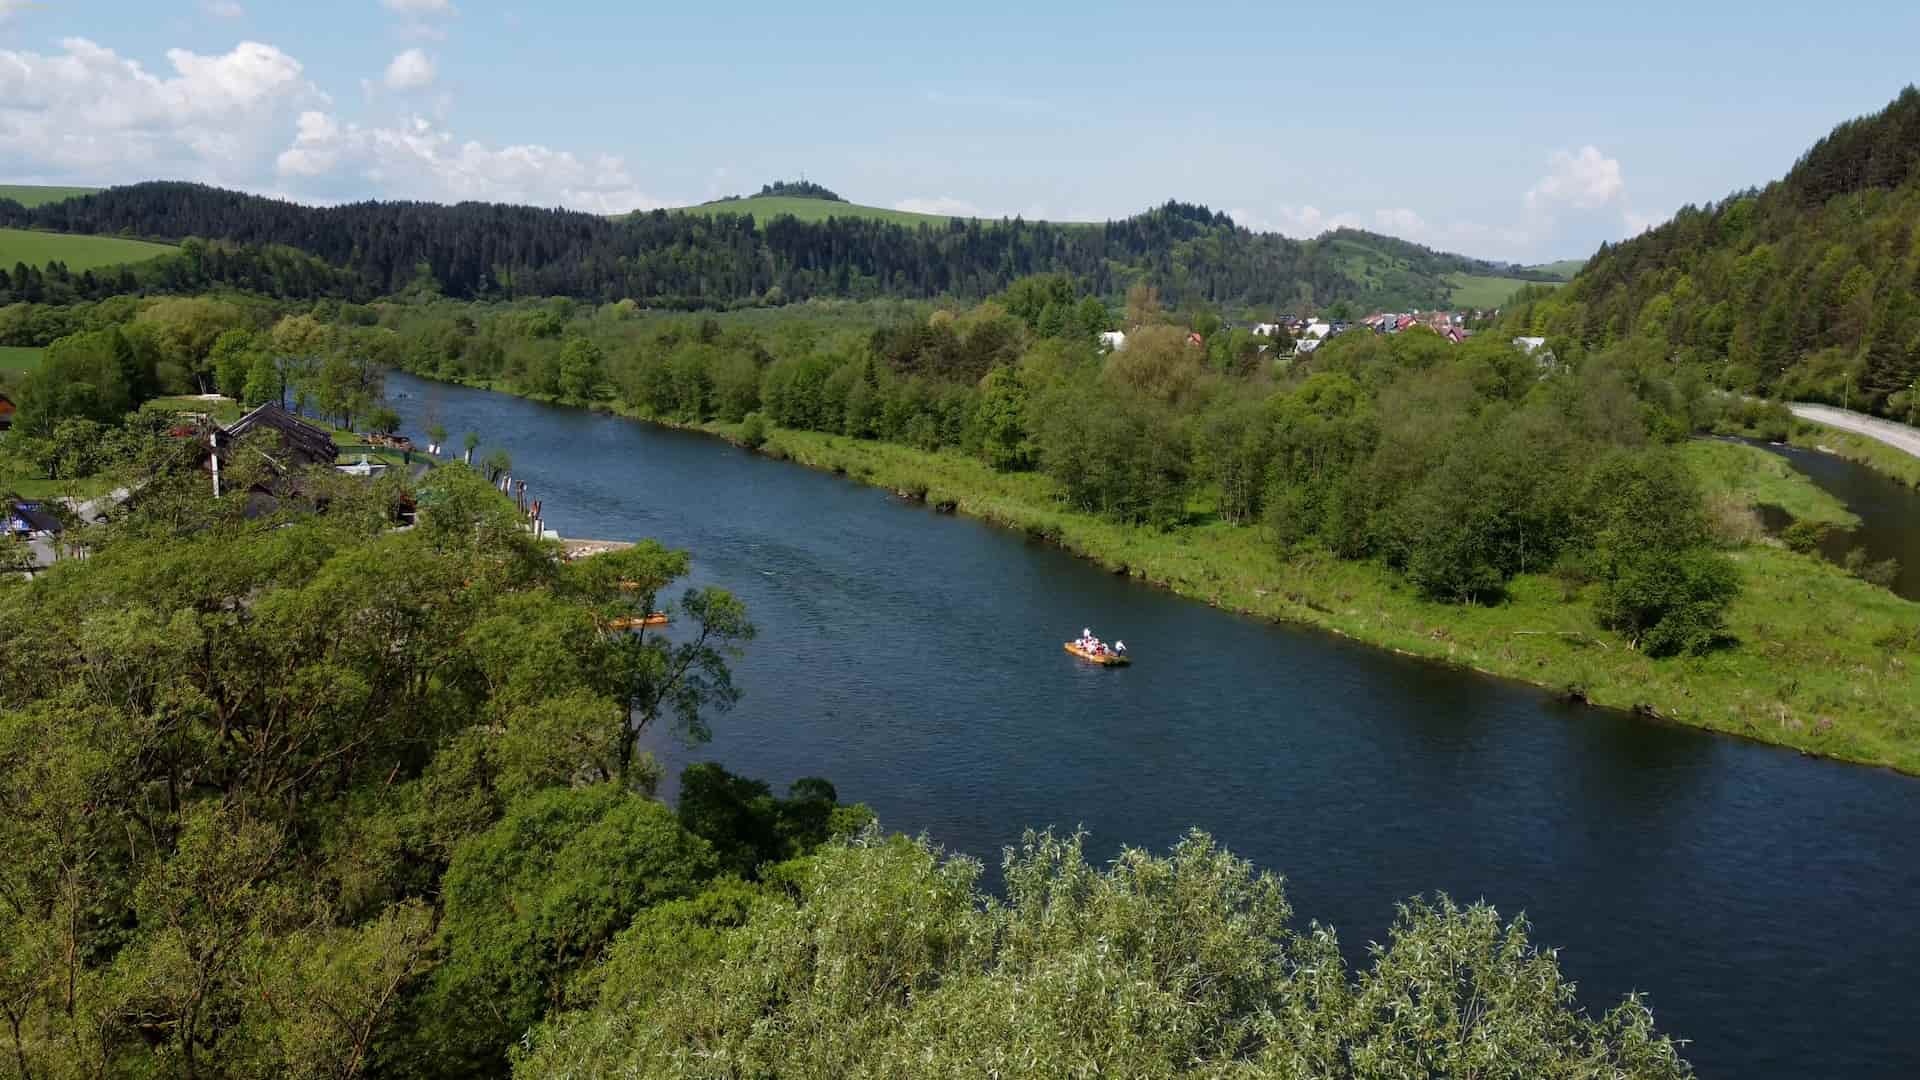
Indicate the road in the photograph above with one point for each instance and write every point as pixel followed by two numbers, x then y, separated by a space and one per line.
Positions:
pixel 1898 436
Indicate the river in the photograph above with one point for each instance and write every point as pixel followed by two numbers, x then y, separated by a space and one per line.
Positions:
pixel 1764 901
pixel 1889 513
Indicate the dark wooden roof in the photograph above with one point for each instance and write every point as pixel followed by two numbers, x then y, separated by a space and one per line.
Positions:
pixel 310 444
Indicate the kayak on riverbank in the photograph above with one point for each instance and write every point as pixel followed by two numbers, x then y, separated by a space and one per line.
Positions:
pixel 635 622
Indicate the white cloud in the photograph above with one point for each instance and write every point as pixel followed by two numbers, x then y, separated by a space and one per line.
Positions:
pixel 411 70
pixel 223 9
pixel 943 205
pixel 1584 180
pixel 419 8
pixel 1638 223
pixel 1400 222
pixel 1300 222
pixel 419 161
pixel 89 113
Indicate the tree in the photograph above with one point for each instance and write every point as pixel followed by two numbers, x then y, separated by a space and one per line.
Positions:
pixel 469 442
pixel 263 383
pixel 1666 604
pixel 539 895
pixel 580 368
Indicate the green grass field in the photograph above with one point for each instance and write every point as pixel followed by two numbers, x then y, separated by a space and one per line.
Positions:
pixel 1484 291
pixel 38 194
pixel 19 358
pixel 1564 269
pixel 78 252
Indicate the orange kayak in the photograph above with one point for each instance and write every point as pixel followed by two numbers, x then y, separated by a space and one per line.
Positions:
pixel 635 622
pixel 1106 659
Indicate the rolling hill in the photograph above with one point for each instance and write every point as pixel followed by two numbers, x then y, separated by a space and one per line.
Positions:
pixel 39 194
pixel 78 253
pixel 1806 288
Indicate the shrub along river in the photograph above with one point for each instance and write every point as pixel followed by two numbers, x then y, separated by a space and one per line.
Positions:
pixel 1765 902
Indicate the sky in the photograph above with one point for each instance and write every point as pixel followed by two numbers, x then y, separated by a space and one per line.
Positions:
pixel 1525 132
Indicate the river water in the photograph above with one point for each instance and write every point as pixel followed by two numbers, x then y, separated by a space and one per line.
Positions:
pixel 1889 513
pixel 1764 901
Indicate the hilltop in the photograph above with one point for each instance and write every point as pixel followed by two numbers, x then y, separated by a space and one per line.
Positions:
pixel 1804 288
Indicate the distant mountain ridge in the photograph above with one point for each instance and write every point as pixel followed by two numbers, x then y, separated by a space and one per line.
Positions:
pixel 1807 288
pixel 724 255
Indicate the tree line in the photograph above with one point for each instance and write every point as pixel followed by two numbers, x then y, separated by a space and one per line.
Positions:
pixel 1805 289
pixel 695 261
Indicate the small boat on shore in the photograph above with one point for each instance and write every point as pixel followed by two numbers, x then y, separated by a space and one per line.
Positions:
pixel 635 622
pixel 1108 658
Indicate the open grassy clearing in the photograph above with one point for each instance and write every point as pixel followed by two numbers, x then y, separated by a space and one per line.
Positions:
pixel 41 194
pixel 19 357
pixel 78 252
pixel 1486 291
pixel 1564 269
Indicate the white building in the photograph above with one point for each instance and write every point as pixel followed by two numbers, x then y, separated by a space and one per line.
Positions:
pixel 1318 330
pixel 1529 345
pixel 1113 340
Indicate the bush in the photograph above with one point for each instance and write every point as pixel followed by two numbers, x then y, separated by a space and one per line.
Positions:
pixel 1804 537
pixel 753 431
pixel 1667 605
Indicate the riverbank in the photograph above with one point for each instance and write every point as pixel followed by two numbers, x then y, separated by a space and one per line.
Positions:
pixel 1862 449
pixel 1824 663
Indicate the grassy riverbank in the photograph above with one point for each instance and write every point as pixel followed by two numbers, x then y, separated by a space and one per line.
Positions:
pixel 1886 460
pixel 1821 661
pixel 1753 477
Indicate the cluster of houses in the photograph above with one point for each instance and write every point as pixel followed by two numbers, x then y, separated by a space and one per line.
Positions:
pixel 1307 334
pixel 292 445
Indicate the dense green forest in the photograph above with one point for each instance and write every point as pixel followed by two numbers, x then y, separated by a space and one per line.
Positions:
pixel 307 795
pixel 694 261
pixel 1808 288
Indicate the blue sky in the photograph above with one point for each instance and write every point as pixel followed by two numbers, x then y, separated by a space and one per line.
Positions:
pixel 1506 130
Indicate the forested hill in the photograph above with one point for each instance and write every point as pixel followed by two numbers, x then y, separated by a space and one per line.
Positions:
pixel 686 260
pixel 1805 288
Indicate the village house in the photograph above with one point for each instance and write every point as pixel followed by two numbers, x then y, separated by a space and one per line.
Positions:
pixel 1113 340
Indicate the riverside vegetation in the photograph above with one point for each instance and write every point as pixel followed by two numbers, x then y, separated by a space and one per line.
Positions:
pixel 307 795
pixel 1548 522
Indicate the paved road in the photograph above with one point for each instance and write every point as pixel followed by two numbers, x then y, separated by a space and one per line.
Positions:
pixel 1898 436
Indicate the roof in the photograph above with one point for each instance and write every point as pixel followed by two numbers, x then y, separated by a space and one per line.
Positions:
pixel 303 439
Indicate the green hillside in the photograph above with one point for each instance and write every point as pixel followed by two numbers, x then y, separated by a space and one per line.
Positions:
pixel 1803 289
pixel 1488 291
pixel 38 195
pixel 1564 270
pixel 76 251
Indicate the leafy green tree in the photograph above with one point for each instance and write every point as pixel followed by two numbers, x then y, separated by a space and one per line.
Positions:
pixel 581 362
pixel 263 382
pixel 540 894
pixel 1002 421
